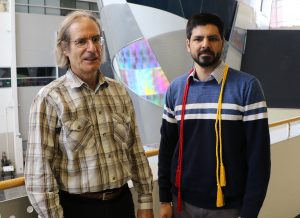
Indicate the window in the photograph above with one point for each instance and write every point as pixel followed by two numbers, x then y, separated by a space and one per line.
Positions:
pixel 3 6
pixel 61 71
pixel 5 80
pixel 54 7
pixel 35 76
pixel 285 13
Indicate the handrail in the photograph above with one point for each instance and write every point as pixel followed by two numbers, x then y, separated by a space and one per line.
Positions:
pixel 20 181
pixel 279 123
pixel 12 183
pixel 152 152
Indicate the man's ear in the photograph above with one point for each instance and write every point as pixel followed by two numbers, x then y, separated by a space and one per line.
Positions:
pixel 187 41
pixel 223 43
pixel 65 48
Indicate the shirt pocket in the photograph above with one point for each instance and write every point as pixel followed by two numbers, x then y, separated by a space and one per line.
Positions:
pixel 121 128
pixel 78 134
pixel 121 135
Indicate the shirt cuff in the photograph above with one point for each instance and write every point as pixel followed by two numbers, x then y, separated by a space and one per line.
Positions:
pixel 145 202
pixel 145 206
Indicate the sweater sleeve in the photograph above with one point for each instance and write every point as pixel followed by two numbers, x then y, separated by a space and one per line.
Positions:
pixel 168 142
pixel 258 150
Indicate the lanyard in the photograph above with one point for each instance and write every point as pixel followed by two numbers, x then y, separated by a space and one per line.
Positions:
pixel 220 169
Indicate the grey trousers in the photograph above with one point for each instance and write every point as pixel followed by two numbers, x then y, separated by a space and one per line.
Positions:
pixel 190 211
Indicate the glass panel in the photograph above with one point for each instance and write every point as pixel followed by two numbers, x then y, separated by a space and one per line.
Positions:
pixel 36 72
pixel 55 3
pixel 94 6
pixel 4 72
pixel 67 4
pixel 52 3
pixel 21 1
pixel 285 13
pixel 140 71
pixel 36 76
pixel 238 39
pixel 21 9
pixel 61 71
pixel 82 5
pixel 37 10
pixel 52 11
pixel 5 77
pixel 34 82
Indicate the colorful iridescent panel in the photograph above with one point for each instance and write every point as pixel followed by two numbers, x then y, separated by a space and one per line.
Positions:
pixel 141 72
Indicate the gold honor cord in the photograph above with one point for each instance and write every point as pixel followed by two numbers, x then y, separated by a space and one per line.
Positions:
pixel 220 169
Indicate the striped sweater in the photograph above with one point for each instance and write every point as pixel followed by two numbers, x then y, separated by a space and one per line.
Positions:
pixel 245 137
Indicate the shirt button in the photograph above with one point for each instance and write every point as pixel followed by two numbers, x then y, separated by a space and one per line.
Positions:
pixel 104 134
pixel 114 178
pixel 78 127
pixel 100 112
pixel 109 156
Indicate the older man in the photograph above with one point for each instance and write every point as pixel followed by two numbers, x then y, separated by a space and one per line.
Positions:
pixel 83 144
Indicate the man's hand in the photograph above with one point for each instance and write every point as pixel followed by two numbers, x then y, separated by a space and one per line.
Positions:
pixel 145 213
pixel 166 210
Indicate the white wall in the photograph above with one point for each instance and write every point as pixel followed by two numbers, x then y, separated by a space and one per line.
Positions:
pixel 35 35
pixel 283 196
pixel 5 40
pixel 6 110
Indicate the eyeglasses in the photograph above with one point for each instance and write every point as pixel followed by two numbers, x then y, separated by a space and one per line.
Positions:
pixel 83 42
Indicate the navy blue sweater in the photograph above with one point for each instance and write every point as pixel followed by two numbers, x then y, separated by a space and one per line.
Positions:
pixel 246 143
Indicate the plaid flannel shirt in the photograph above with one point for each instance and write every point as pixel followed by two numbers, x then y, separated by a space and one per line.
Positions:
pixel 82 140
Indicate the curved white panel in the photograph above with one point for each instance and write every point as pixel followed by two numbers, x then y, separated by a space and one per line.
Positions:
pixel 153 22
pixel 119 26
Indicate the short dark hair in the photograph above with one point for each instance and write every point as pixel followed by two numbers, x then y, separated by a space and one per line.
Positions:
pixel 203 19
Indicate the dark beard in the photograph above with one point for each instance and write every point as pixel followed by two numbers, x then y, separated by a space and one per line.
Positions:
pixel 208 61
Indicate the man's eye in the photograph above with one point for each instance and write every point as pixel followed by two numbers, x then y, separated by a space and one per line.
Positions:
pixel 95 39
pixel 198 39
pixel 214 39
pixel 81 41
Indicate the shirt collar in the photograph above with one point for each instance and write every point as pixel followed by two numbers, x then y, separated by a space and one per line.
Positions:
pixel 76 82
pixel 217 73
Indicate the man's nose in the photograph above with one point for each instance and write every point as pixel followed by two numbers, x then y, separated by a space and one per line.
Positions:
pixel 90 45
pixel 205 43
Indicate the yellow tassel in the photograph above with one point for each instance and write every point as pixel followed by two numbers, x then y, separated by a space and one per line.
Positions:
pixel 220 197
pixel 222 176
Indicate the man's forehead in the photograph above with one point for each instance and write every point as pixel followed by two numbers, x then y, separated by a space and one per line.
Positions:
pixel 208 29
pixel 84 29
